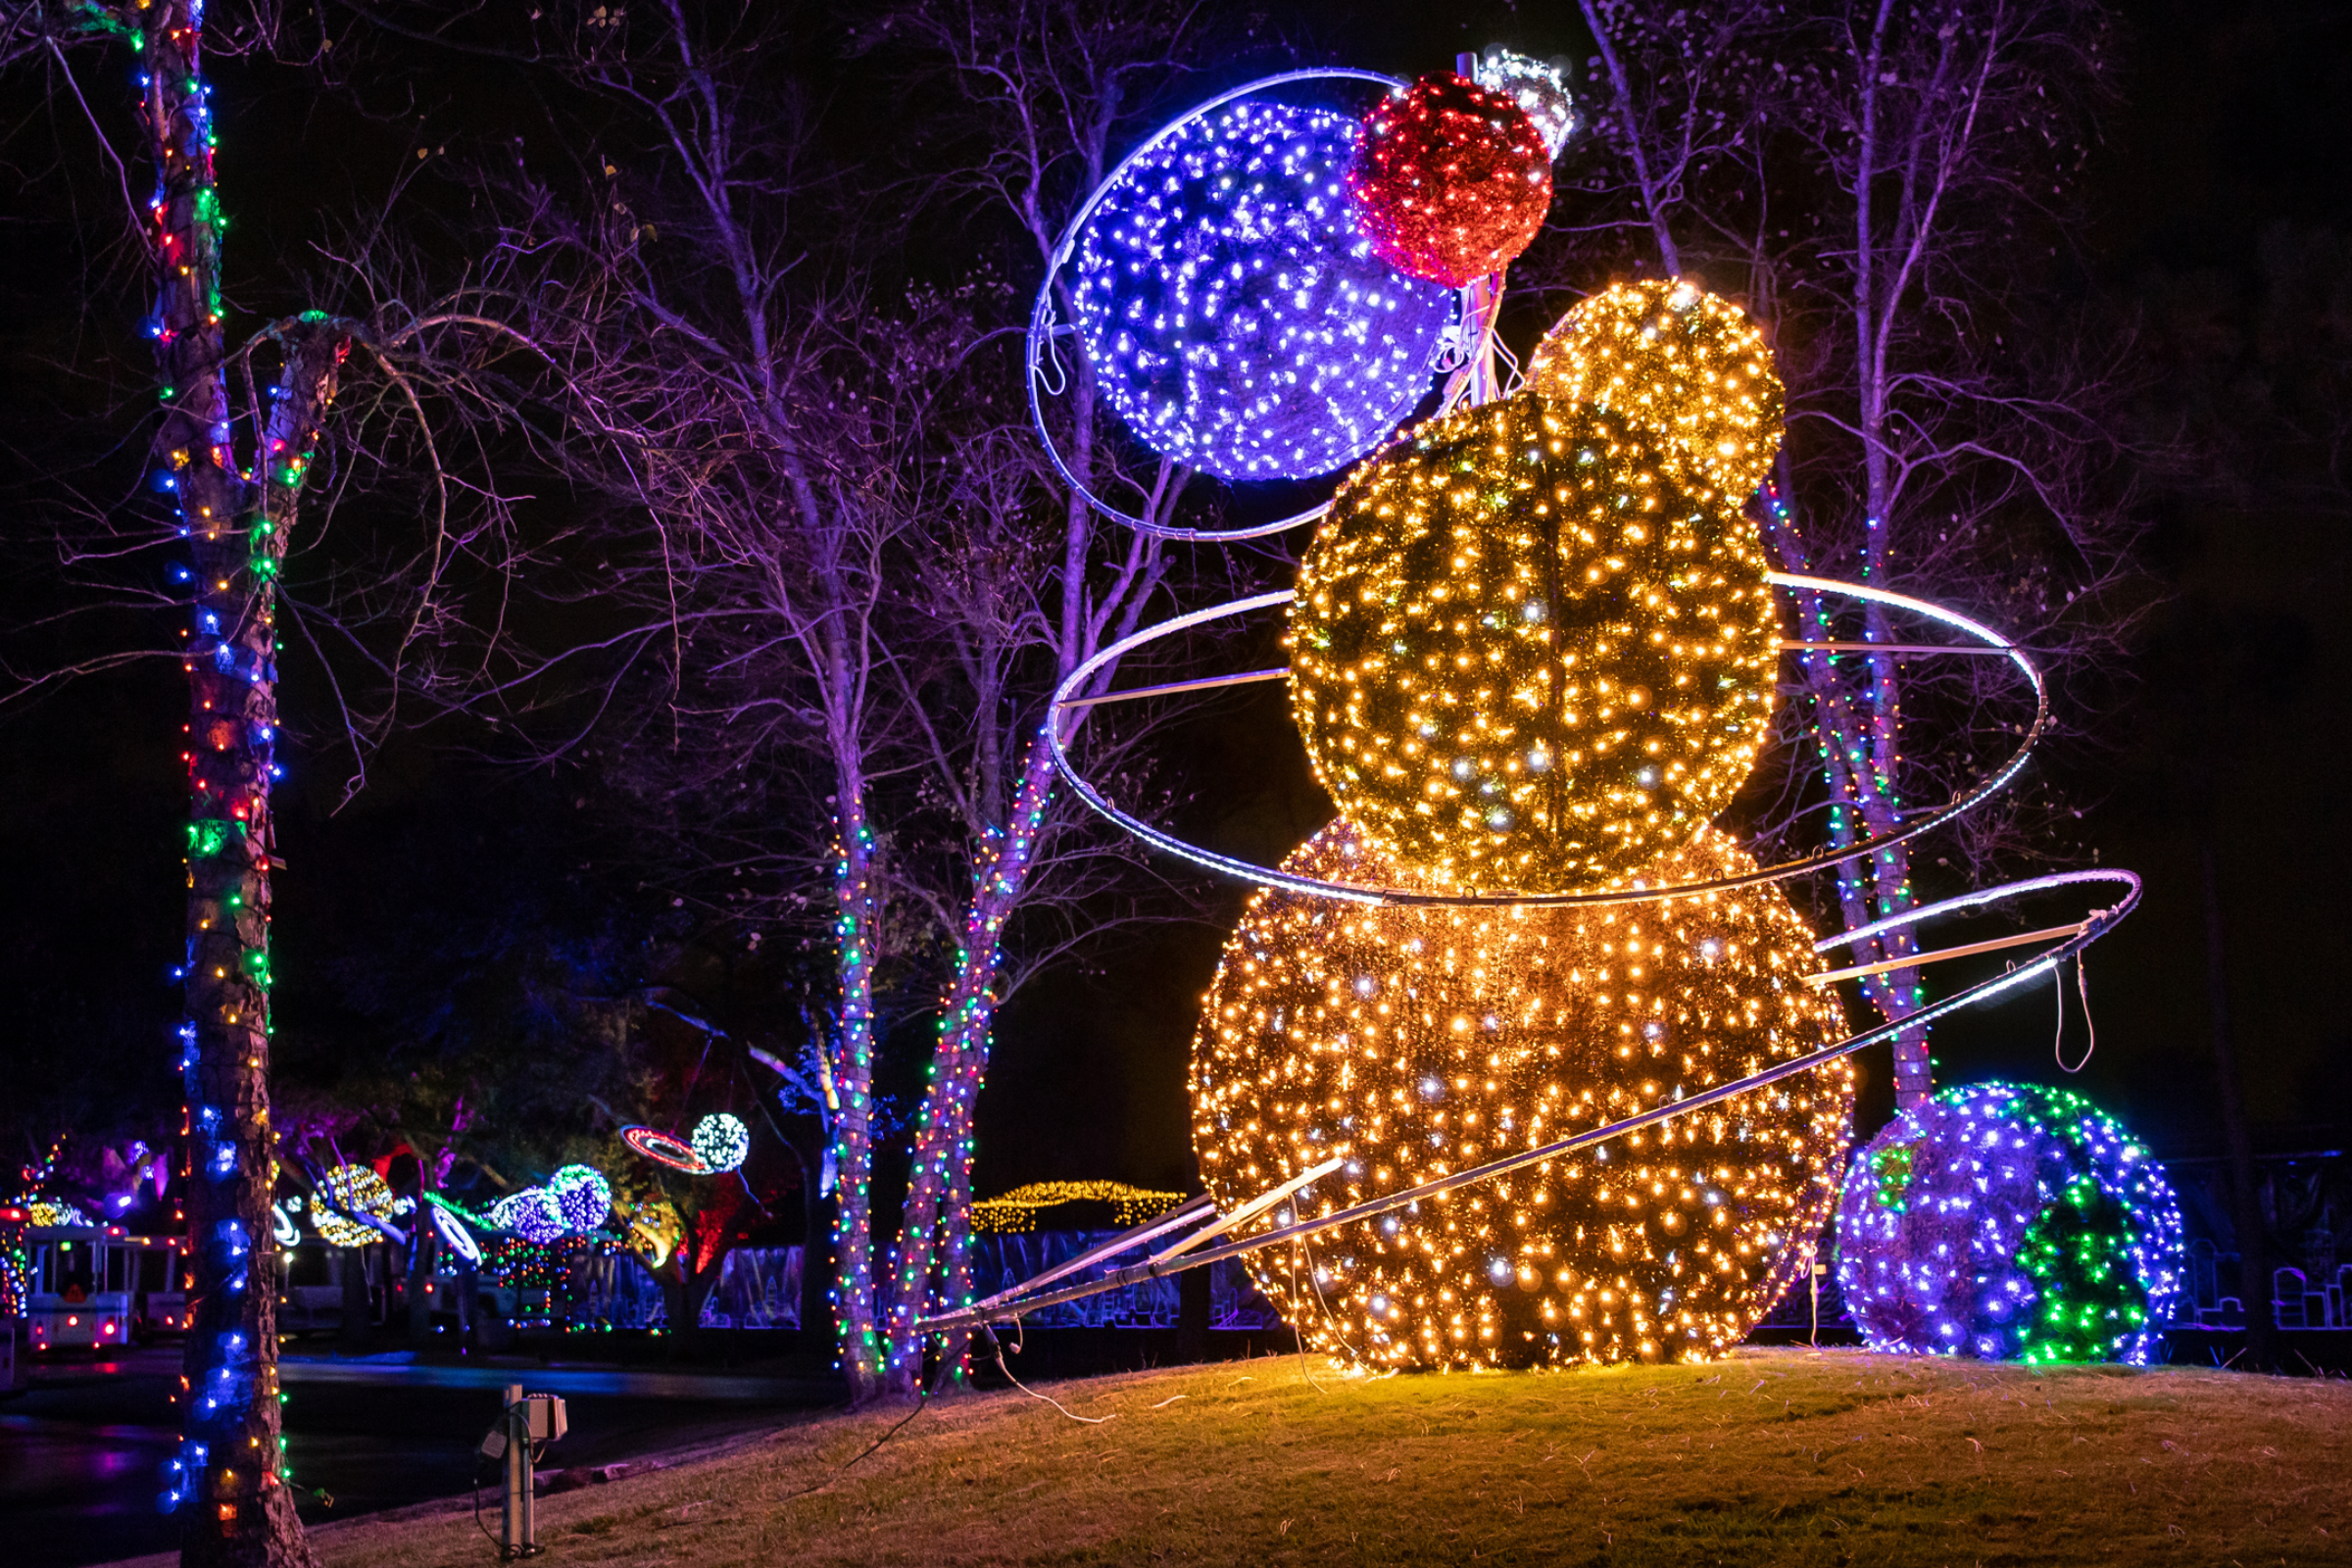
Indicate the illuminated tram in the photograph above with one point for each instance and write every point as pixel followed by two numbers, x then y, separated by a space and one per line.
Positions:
pixel 97 1286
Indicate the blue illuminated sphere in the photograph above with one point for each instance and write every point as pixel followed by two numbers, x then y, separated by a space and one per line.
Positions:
pixel 1236 320
pixel 583 1197
pixel 2008 1222
pixel 531 1215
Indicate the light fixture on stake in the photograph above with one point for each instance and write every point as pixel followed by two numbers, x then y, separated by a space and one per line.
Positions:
pixel 527 1419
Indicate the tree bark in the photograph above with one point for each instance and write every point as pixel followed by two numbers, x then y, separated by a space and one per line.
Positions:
pixel 2245 1191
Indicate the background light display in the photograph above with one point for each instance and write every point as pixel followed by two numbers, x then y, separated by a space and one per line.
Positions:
pixel 1520 658
pixel 1020 1209
pixel 582 1197
pixel 1238 320
pixel 1682 363
pixel 530 1213
pixel 664 1149
pixel 1419 1040
pixel 2009 1222
pixel 351 1190
pixel 721 1141
pixel 1452 179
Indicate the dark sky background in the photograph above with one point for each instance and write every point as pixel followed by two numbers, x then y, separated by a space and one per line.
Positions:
pixel 2231 132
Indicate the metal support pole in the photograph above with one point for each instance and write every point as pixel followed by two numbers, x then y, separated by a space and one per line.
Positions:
pixel 517 1530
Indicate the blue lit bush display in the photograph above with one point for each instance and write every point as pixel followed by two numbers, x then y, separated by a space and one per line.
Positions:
pixel 1238 320
pixel 2008 1222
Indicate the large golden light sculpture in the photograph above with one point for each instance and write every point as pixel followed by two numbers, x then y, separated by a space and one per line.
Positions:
pixel 1425 1039
pixel 1420 1040
pixel 1523 657
pixel 1688 365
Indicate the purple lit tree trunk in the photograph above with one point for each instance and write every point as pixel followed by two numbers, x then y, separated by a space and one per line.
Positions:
pixel 1051 84
pixel 230 1484
pixel 1869 174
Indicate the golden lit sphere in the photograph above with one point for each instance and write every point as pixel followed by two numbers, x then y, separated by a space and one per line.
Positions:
pixel 1522 659
pixel 1419 1042
pixel 1682 364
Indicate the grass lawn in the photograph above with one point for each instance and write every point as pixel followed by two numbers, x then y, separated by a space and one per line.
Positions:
pixel 1773 1456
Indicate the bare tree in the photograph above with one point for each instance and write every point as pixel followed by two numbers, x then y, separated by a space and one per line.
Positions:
pixel 754 412
pixel 1887 187
pixel 1033 580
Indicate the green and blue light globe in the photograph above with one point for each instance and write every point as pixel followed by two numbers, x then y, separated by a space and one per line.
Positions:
pixel 2009 1222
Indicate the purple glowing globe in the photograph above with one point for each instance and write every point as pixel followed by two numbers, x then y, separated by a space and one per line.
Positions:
pixel 2008 1222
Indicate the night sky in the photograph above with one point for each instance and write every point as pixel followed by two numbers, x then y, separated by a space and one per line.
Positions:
pixel 2227 148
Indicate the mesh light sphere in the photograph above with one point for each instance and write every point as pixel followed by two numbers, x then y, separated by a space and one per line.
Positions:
pixel 1238 320
pixel 1421 1041
pixel 1522 659
pixel 2009 1222
pixel 583 1197
pixel 1454 179
pixel 353 1189
pixel 721 1141
pixel 1682 363
pixel 530 1213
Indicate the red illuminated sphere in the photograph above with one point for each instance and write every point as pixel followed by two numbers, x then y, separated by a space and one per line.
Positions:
pixel 1451 180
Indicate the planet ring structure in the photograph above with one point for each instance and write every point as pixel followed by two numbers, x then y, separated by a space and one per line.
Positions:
pixel 1047 375
pixel 664 1149
pixel 1066 700
pixel 2095 926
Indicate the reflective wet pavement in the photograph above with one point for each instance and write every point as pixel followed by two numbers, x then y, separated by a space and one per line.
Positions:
pixel 80 1452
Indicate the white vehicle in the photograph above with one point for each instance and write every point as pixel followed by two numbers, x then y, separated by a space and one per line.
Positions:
pixel 99 1286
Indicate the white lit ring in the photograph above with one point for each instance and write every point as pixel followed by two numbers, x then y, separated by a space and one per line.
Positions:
pixel 1042 327
pixel 1066 695
pixel 453 1232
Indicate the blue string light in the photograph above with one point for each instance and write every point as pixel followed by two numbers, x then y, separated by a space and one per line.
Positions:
pixel 1238 321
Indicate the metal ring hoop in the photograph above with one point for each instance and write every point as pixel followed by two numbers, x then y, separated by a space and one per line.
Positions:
pixel 1066 695
pixel 1042 328
pixel 664 1148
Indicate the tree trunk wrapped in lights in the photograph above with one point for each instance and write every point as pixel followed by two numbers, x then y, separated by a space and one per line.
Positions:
pixel 230 1481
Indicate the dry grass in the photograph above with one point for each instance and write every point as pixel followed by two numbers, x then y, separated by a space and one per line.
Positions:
pixel 1775 1457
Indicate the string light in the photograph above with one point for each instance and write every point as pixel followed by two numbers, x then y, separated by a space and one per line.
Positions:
pixel 1236 320
pixel 2009 1222
pixel 1681 364
pixel 721 1141
pixel 1520 658
pixel 1453 181
pixel 1538 86
pixel 1416 1040
pixel 16 1260
pixel 1020 1209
